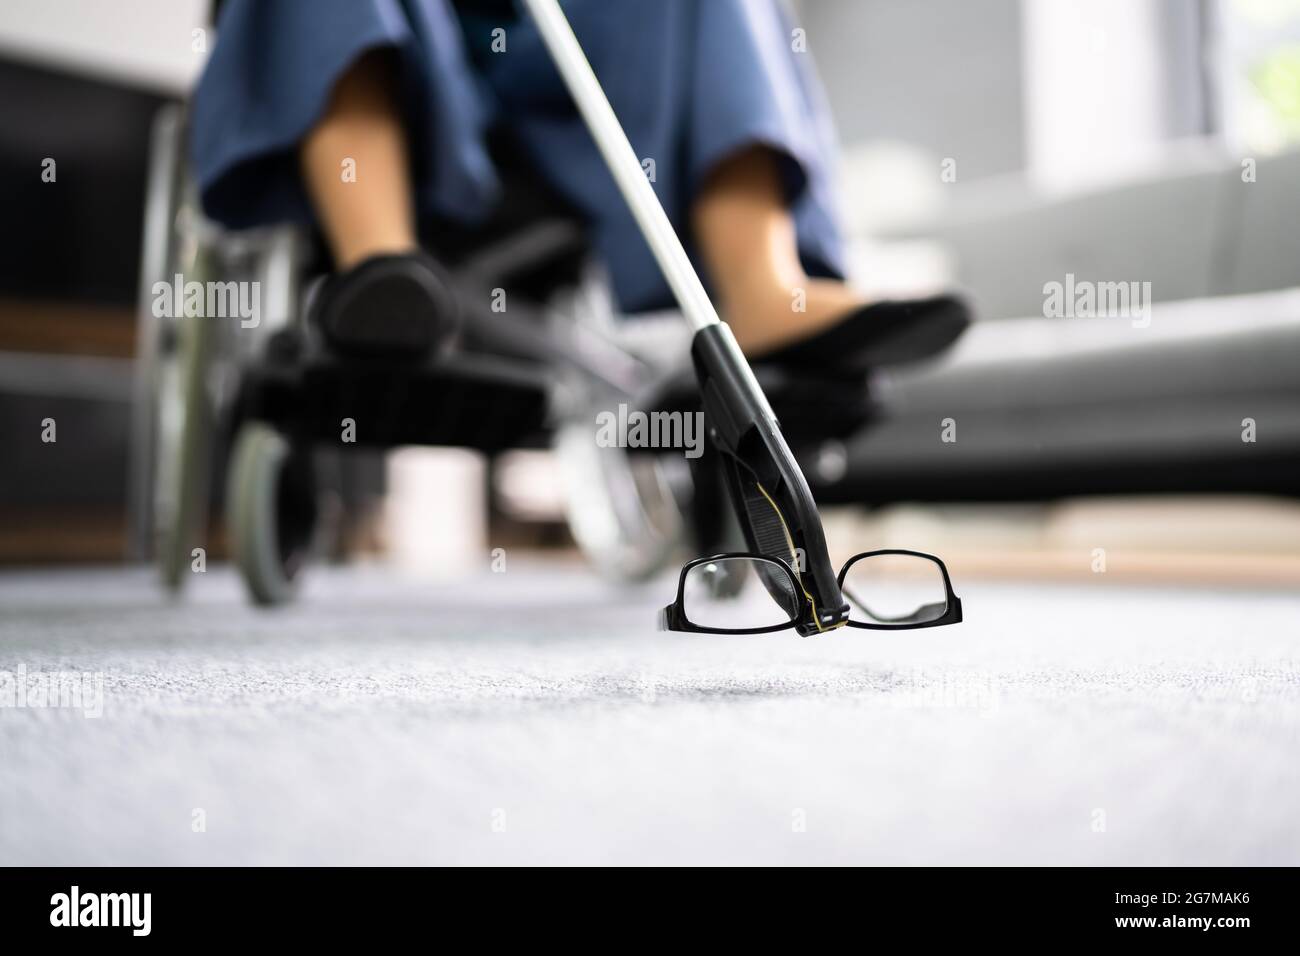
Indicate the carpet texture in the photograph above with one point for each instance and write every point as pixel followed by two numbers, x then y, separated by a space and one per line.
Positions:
pixel 535 716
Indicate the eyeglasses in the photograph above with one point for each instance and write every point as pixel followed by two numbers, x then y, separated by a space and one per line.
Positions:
pixel 887 590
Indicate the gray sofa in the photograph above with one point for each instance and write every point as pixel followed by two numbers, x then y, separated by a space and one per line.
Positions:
pixel 1048 407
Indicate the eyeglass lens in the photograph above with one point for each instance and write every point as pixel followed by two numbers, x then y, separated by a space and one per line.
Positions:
pixel 712 596
pixel 894 589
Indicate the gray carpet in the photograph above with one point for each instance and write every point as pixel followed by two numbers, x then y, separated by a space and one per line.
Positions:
pixel 536 717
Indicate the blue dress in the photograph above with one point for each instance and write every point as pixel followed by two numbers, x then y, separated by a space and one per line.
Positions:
pixel 692 81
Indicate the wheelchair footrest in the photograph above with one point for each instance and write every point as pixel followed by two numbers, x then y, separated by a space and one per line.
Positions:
pixel 461 400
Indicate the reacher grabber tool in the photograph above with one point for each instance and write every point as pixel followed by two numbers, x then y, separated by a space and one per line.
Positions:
pixel 768 490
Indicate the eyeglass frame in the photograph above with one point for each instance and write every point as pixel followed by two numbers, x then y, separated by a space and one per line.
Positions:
pixel 673 617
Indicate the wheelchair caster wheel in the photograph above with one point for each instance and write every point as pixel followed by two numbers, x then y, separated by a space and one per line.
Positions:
pixel 270 512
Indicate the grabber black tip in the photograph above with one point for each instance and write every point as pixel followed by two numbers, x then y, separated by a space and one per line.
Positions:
pixel 772 500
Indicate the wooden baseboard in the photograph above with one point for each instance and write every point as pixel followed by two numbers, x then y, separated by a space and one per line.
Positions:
pixel 63 535
pixel 59 328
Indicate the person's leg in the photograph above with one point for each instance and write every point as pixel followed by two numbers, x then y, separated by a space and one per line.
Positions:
pixel 372 212
pixel 746 235
pixel 386 296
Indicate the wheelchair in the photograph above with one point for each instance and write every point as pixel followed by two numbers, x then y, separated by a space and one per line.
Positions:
pixel 270 400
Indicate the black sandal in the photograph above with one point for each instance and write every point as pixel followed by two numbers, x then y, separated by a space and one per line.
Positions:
pixel 882 333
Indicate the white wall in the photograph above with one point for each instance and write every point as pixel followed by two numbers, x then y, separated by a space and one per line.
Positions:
pixel 1108 84
pixel 145 43
pixel 943 76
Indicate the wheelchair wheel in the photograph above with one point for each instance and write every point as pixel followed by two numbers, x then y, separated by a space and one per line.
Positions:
pixel 183 419
pixel 172 415
pixel 158 258
pixel 271 512
pixel 621 508
pixel 184 449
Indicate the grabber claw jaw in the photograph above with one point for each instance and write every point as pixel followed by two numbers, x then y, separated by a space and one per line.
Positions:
pixel 768 490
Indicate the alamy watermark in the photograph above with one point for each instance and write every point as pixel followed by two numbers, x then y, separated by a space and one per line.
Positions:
pixel 53 690
pixel 1084 299
pixel 208 300
pixel 133 911
pixel 634 428
pixel 923 690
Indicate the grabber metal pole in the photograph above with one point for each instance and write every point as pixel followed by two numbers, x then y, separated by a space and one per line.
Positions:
pixel 623 162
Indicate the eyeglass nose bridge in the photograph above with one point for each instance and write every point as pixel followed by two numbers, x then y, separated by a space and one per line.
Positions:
pixel 812 620
pixel 815 620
